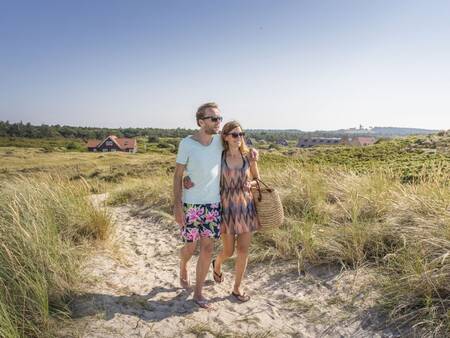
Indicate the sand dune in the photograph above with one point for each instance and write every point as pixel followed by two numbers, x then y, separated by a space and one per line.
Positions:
pixel 136 294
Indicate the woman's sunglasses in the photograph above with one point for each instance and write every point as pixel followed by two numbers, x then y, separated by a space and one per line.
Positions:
pixel 236 135
pixel 213 118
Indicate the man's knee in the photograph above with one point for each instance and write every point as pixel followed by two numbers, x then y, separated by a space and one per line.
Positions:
pixel 188 249
pixel 207 248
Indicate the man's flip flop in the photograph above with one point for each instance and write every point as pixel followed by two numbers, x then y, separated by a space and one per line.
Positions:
pixel 218 277
pixel 204 304
pixel 242 298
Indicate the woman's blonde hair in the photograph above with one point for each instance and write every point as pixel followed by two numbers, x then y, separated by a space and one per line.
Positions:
pixel 228 127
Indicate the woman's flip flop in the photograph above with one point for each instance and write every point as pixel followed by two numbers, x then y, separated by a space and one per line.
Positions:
pixel 218 277
pixel 241 297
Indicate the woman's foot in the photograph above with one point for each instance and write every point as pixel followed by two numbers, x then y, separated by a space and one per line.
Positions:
pixel 203 303
pixel 218 277
pixel 242 297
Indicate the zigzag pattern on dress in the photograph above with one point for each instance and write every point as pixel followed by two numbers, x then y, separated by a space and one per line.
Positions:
pixel 238 208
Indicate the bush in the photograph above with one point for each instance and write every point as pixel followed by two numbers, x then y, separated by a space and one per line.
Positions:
pixel 165 145
pixel 153 139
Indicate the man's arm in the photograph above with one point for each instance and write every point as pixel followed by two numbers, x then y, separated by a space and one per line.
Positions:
pixel 177 193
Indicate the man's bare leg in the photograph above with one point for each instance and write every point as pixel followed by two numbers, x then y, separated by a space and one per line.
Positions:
pixel 204 260
pixel 186 253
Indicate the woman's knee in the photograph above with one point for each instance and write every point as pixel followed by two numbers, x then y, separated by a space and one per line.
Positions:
pixel 228 252
pixel 242 249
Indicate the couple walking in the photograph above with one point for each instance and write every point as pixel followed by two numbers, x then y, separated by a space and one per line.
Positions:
pixel 216 202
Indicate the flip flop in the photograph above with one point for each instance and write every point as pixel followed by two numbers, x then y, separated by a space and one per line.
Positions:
pixel 204 304
pixel 218 277
pixel 241 297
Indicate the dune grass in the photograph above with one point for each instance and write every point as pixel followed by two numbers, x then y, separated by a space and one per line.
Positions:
pixel 45 225
pixel 384 207
pixel 399 230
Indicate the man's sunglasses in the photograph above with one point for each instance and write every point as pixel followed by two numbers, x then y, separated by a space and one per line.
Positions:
pixel 236 135
pixel 213 118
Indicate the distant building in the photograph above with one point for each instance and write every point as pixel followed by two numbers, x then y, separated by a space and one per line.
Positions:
pixel 359 141
pixel 308 142
pixel 282 142
pixel 113 143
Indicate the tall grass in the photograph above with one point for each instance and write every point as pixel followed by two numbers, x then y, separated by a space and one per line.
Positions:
pixel 155 193
pixel 44 223
pixel 373 219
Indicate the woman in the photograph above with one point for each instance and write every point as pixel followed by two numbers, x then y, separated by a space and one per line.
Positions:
pixel 239 219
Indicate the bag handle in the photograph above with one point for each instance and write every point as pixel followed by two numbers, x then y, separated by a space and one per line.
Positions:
pixel 258 187
pixel 258 180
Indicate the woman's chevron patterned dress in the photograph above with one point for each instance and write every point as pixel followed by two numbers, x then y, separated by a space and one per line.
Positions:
pixel 238 208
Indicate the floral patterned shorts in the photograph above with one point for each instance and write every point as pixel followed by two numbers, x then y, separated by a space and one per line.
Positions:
pixel 202 221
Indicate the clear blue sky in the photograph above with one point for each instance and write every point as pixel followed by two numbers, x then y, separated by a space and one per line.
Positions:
pixel 270 64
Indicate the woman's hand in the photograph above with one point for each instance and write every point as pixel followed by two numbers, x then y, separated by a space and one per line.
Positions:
pixel 249 185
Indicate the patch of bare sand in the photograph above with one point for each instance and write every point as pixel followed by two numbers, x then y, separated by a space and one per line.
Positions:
pixel 139 294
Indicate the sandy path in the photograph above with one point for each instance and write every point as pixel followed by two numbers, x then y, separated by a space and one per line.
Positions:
pixel 139 295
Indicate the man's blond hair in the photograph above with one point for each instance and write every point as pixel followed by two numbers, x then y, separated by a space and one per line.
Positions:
pixel 201 111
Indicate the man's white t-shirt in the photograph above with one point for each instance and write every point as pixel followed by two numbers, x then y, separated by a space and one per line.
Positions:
pixel 203 167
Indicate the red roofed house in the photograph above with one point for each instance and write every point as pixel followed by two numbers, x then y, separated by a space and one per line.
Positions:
pixel 113 143
pixel 359 140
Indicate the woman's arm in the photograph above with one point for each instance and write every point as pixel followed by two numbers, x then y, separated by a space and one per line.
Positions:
pixel 254 173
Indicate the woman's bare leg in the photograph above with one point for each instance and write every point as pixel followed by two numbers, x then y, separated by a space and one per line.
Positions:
pixel 227 252
pixel 243 244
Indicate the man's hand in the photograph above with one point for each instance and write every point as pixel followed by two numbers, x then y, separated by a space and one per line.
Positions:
pixel 187 183
pixel 179 215
pixel 254 154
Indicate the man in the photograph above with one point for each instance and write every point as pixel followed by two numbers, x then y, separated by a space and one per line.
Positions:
pixel 197 210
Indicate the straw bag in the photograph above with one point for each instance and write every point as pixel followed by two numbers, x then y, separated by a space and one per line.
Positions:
pixel 268 205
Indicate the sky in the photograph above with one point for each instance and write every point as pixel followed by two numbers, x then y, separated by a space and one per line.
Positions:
pixel 308 65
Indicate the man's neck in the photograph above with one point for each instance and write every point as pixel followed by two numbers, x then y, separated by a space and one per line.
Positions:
pixel 203 137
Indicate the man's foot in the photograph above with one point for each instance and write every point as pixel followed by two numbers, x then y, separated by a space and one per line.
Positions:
pixel 218 277
pixel 185 283
pixel 203 303
pixel 242 297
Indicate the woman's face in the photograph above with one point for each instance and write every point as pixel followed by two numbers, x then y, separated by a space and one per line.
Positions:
pixel 233 138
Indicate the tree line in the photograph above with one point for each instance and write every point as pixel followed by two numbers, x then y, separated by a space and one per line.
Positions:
pixel 27 130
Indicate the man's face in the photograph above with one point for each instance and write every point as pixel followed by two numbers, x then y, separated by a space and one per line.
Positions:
pixel 211 121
